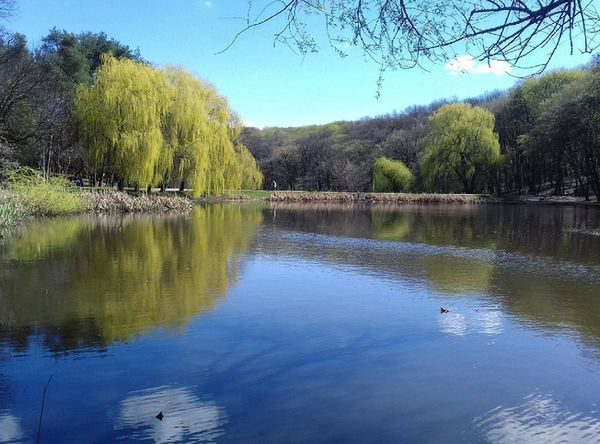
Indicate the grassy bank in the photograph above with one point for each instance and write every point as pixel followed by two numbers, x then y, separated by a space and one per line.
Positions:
pixel 244 195
pixel 15 206
pixel 26 194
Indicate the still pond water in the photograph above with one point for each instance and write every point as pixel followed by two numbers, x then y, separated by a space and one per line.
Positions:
pixel 304 324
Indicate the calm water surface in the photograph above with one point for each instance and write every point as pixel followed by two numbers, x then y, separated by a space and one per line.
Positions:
pixel 304 324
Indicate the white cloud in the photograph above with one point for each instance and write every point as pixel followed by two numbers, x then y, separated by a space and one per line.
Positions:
pixel 467 64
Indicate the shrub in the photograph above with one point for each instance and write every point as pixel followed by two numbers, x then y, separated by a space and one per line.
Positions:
pixel 390 176
pixel 40 196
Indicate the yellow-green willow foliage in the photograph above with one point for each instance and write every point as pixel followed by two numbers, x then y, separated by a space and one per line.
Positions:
pixel 197 134
pixel 245 174
pixel 390 176
pixel 120 118
pixel 461 148
pixel 155 126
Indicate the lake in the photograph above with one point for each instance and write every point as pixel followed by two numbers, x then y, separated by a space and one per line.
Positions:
pixel 304 323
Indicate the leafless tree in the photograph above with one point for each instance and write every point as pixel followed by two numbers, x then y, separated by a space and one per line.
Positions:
pixel 402 34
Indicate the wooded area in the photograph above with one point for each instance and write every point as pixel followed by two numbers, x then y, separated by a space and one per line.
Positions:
pixel 546 129
pixel 86 106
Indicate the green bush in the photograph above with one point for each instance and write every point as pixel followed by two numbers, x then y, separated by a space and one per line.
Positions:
pixel 390 176
pixel 49 197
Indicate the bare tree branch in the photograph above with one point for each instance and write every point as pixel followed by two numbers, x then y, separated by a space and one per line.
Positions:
pixel 7 8
pixel 402 34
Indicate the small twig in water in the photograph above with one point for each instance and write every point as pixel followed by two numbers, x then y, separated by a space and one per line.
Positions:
pixel 39 431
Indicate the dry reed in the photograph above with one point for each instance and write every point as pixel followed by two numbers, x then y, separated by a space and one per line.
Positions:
pixel 399 198
pixel 121 202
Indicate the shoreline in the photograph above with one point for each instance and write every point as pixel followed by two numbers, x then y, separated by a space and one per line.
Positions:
pixel 18 207
pixel 398 198
pixel 122 202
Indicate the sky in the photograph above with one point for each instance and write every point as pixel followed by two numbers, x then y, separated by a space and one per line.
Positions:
pixel 268 85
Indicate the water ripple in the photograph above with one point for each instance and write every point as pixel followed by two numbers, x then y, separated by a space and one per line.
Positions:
pixel 303 243
pixel 539 418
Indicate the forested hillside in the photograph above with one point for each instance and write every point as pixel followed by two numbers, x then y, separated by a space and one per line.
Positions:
pixel 547 129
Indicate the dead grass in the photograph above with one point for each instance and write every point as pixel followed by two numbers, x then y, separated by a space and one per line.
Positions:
pixel 121 202
pixel 399 198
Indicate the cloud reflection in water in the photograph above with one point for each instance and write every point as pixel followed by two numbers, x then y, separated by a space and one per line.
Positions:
pixel 482 321
pixel 187 418
pixel 10 428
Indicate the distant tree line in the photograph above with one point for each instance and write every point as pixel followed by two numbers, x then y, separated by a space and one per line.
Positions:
pixel 541 136
pixel 88 106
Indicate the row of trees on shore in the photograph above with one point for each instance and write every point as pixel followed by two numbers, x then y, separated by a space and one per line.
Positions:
pixel 85 105
pixel 541 136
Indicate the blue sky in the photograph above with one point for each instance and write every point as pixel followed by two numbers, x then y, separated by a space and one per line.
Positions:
pixel 267 85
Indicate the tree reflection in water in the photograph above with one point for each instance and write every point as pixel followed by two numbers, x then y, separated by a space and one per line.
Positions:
pixel 539 264
pixel 90 281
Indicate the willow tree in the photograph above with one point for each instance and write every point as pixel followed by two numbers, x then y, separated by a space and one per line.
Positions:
pixel 199 146
pixel 186 130
pixel 120 119
pixel 462 147
pixel 252 177
pixel 390 176
pixel 151 126
pixel 244 172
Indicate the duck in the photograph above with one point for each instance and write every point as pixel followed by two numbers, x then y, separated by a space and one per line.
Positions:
pixel 444 310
